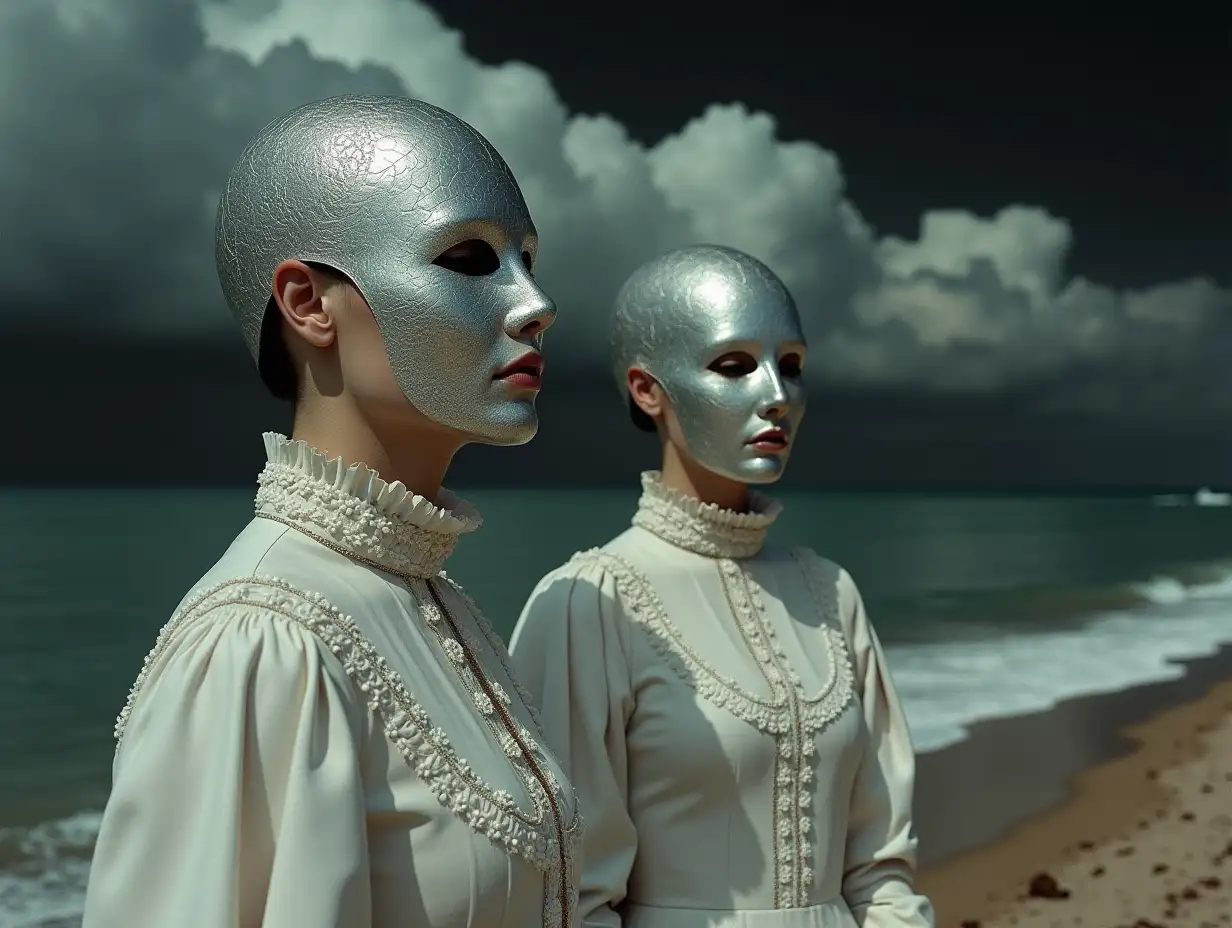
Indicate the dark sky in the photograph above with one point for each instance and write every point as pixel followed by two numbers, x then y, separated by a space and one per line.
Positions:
pixel 990 365
pixel 1121 124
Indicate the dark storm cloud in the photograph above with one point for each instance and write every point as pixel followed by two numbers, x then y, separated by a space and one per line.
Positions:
pixel 121 118
pixel 118 128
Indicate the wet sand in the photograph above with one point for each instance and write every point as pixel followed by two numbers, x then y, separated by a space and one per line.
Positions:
pixel 1106 811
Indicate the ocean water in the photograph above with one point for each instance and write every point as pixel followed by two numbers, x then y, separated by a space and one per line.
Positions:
pixel 988 606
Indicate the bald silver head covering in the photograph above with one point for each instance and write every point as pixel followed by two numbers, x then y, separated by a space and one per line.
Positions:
pixel 378 188
pixel 720 334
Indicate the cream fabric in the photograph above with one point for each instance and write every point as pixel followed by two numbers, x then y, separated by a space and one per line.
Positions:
pixel 725 714
pixel 313 743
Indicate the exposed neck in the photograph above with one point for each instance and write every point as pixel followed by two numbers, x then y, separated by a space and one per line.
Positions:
pixel 686 476
pixel 418 457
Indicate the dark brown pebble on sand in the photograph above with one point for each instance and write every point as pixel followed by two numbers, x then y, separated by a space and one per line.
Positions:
pixel 1146 923
pixel 1187 816
pixel 1152 774
pixel 1211 882
pixel 1207 788
pixel 1126 851
pixel 1160 868
pixel 1085 845
pixel 1098 871
pixel 1224 854
pixel 1189 893
pixel 1045 886
pixel 970 923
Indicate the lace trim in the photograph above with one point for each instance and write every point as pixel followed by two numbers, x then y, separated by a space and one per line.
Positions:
pixel 425 748
pixel 497 645
pixel 288 494
pixel 703 528
pixel 359 481
pixel 456 651
pixel 792 718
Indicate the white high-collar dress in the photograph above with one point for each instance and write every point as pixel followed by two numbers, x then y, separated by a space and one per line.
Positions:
pixel 327 735
pixel 724 712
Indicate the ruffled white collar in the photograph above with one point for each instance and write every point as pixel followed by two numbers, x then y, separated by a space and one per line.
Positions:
pixel 350 506
pixel 703 528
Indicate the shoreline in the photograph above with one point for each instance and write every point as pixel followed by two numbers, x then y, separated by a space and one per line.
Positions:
pixel 1034 794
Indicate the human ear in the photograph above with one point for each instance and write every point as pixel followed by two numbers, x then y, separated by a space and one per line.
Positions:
pixel 302 294
pixel 646 393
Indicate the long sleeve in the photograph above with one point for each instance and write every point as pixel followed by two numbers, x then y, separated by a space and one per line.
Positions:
pixel 237 799
pixel 879 871
pixel 570 649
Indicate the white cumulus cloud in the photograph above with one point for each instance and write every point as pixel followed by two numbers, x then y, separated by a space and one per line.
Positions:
pixel 120 119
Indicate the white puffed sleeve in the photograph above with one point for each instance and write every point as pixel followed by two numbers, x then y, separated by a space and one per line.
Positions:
pixel 571 651
pixel 237 799
pixel 879 870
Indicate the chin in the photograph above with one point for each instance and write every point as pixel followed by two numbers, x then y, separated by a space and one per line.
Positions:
pixel 762 471
pixel 513 424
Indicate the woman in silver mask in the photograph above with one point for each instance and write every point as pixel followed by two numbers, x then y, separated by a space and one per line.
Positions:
pixel 721 707
pixel 327 734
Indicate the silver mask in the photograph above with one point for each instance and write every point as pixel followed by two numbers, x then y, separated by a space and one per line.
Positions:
pixel 678 315
pixel 378 188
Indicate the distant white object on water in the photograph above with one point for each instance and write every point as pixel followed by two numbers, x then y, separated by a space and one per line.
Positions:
pixel 1208 497
pixel 1171 499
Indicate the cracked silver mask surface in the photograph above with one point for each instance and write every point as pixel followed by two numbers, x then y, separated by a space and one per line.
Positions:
pixel 678 316
pixel 378 188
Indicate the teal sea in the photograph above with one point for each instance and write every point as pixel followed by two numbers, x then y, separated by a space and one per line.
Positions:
pixel 988 606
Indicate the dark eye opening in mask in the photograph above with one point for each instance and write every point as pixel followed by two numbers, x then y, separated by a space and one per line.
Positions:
pixel 528 261
pixel 734 364
pixel 474 258
pixel 791 366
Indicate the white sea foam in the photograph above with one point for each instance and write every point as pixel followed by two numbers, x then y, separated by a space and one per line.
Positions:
pixel 44 870
pixel 945 686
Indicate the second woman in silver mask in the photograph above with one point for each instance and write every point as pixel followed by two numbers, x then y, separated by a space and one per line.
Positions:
pixel 707 342
pixel 722 707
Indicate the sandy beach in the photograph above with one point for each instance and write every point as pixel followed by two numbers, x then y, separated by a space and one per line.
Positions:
pixel 1107 811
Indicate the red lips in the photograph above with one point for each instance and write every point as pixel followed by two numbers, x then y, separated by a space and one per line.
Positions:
pixel 525 373
pixel 773 439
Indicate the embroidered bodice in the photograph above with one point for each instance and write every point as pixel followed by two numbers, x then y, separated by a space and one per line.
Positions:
pixel 762 761
pixel 346 568
pixel 789 714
